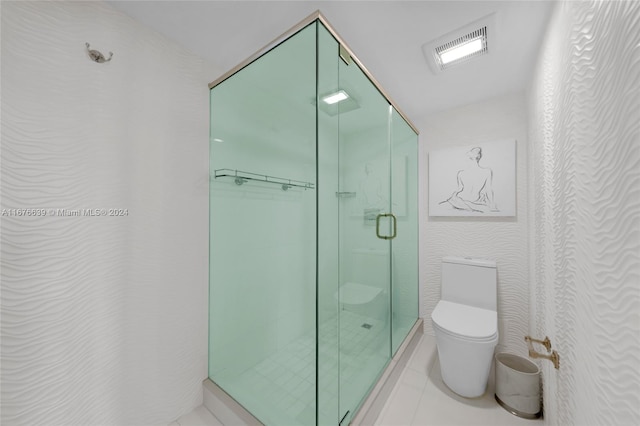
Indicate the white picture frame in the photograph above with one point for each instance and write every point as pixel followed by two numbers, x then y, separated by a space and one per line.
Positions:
pixel 473 180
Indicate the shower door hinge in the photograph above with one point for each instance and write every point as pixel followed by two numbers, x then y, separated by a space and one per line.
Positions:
pixel 344 55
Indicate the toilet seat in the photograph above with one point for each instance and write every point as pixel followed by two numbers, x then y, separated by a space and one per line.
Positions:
pixel 465 322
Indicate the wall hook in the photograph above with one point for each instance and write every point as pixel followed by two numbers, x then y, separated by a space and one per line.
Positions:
pixel 96 56
pixel 552 356
pixel 546 342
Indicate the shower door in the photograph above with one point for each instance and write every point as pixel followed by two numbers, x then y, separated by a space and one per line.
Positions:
pixel 365 231
pixel 404 247
pixel 377 234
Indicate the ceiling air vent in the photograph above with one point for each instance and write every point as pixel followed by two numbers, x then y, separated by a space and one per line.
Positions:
pixel 461 49
pixel 460 46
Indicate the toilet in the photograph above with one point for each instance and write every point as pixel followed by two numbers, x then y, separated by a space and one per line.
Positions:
pixel 465 322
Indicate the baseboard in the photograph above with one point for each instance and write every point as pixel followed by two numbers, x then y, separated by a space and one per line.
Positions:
pixel 225 408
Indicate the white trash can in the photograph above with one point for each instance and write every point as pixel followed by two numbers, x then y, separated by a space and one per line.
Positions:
pixel 518 386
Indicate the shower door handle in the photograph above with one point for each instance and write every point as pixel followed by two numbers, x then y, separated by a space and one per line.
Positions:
pixel 395 228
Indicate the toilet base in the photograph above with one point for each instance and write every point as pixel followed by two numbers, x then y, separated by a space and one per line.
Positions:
pixel 470 385
pixel 465 365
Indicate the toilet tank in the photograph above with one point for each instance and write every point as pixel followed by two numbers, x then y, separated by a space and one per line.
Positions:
pixel 470 282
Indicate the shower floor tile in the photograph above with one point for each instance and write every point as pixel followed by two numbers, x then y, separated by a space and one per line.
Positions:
pixel 281 389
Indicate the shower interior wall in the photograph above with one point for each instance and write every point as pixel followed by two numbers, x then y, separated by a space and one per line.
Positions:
pixel 263 260
pixel 268 233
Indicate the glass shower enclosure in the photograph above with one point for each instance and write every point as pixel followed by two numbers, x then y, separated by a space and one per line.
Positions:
pixel 313 230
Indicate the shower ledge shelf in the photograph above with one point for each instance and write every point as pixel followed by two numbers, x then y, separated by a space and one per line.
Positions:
pixel 241 177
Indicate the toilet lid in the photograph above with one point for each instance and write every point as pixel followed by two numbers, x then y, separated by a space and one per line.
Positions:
pixel 464 320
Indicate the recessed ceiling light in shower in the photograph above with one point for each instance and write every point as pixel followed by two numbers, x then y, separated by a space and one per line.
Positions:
pixel 336 97
pixel 336 102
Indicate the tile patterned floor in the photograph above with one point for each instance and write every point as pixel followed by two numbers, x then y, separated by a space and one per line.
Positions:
pixel 198 417
pixel 420 398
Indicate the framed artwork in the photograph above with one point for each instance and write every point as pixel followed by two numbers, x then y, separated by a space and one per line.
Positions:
pixel 473 180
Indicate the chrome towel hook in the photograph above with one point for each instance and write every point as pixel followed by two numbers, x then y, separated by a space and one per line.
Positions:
pixel 96 56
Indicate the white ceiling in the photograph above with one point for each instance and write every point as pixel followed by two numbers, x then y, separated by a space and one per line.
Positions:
pixel 387 37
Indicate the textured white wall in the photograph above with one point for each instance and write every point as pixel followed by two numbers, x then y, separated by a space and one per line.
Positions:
pixel 585 211
pixel 104 319
pixel 502 239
